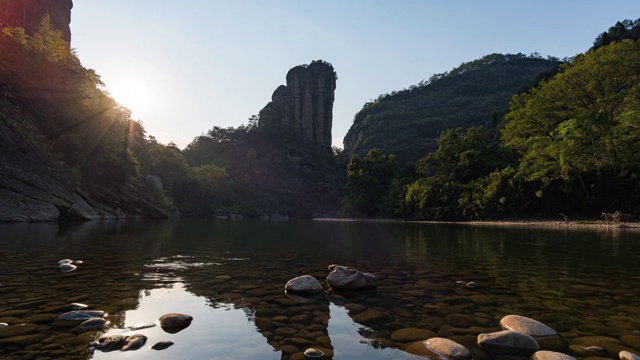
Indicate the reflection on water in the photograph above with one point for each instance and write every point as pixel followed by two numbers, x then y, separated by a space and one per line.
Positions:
pixel 230 277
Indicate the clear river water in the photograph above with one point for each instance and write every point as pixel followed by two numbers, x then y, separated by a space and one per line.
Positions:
pixel 230 276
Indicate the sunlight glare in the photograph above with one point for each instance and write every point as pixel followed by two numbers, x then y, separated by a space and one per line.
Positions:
pixel 132 94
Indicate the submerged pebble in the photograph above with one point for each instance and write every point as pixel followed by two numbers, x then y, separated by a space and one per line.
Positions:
pixel 313 353
pixel 161 345
pixel 67 267
pixel 77 306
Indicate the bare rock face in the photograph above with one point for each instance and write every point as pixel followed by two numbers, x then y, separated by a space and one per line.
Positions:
pixel 305 103
pixel 28 13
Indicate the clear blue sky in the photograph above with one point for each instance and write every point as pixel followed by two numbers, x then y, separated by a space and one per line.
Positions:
pixel 183 67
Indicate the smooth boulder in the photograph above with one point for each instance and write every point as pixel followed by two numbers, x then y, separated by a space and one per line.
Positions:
pixel 134 342
pixel 344 278
pixel 627 355
pixel 525 325
pixel 81 315
pixel 91 324
pixel 161 345
pixel 304 285
pixel 447 348
pixel 508 342
pixel 550 355
pixel 174 322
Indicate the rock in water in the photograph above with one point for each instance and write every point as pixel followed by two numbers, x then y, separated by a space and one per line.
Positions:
pixel 471 285
pixel 141 326
pixel 77 306
pixel 626 355
pixel 343 278
pixel 508 342
pixel 304 285
pixel 91 324
pixel 447 348
pixel 81 315
pixel 312 353
pixel 110 342
pixel 134 342
pixel 161 345
pixel 550 355
pixel 17 330
pixel 174 322
pixel 67 267
pixel 527 326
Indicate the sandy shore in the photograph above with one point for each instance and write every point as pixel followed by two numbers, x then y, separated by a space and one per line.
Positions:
pixel 597 224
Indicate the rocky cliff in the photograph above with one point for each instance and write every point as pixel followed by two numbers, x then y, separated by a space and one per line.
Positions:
pixel 305 103
pixel 33 187
pixel 27 14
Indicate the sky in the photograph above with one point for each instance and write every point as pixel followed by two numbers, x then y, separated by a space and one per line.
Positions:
pixel 183 67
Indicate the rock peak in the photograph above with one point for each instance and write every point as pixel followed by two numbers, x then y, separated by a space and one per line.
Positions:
pixel 305 103
pixel 28 13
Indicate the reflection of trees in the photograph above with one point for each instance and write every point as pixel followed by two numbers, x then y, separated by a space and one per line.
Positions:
pixel 110 278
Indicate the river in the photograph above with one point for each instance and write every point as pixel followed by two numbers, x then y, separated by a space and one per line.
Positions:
pixel 230 276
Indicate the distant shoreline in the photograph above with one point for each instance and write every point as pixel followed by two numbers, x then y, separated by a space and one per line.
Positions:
pixel 599 224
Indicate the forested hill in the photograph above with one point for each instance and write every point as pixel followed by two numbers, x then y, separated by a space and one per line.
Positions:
pixel 408 123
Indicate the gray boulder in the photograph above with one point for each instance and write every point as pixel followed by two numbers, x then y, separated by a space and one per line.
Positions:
pixel 508 342
pixel 550 355
pixel 527 326
pixel 91 324
pixel 344 278
pixel 448 349
pixel 304 285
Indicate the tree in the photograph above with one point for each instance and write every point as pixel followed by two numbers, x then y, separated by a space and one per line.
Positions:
pixel 368 183
pixel 581 126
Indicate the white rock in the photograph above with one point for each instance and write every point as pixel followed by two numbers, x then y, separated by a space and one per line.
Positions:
pixel 447 348
pixel 527 326
pixel 550 355
pixel 626 355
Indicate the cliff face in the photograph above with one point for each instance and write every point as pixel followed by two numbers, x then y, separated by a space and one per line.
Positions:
pixel 305 103
pixel 27 14
pixel 33 187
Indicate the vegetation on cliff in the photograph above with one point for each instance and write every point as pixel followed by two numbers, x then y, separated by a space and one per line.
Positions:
pixel 408 123
pixel 265 170
pixel 568 149
pixel 63 109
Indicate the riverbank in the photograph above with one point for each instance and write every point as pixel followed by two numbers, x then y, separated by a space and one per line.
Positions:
pixel 600 224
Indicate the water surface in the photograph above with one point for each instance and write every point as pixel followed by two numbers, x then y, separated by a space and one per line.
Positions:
pixel 230 277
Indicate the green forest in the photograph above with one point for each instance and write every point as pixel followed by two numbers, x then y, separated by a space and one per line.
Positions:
pixel 501 137
pixel 567 148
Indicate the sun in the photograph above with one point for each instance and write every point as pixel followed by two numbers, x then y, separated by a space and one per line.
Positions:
pixel 133 95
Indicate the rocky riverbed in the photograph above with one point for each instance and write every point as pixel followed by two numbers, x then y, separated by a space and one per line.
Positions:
pixel 581 316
